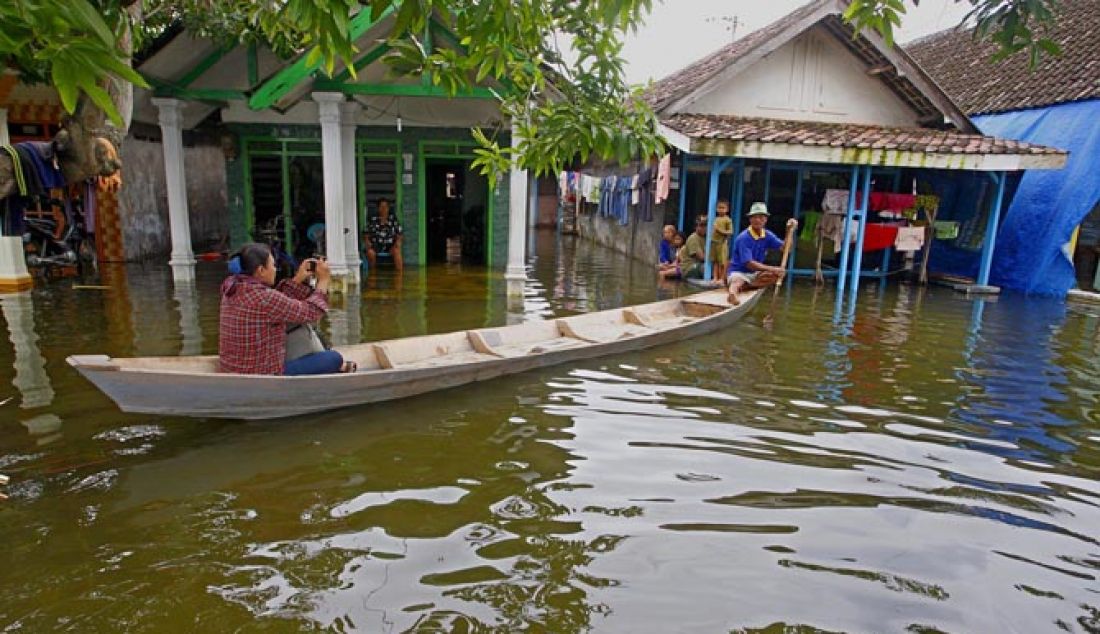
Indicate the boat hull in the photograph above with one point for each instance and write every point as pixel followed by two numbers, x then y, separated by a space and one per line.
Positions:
pixel 154 390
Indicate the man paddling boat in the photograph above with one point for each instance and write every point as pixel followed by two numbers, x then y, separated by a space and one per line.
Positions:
pixel 747 268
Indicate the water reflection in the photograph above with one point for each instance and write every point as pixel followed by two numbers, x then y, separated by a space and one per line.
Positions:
pixel 186 296
pixel 30 380
pixel 1009 361
pixel 344 318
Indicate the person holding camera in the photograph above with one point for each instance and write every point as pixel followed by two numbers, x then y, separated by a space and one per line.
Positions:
pixel 255 314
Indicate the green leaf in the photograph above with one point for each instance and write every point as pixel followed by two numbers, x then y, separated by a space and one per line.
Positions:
pixel 86 18
pixel 103 100
pixel 64 82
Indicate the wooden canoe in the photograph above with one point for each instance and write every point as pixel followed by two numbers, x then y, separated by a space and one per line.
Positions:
pixel 191 385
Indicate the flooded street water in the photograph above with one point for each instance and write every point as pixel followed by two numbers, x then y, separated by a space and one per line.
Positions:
pixel 924 463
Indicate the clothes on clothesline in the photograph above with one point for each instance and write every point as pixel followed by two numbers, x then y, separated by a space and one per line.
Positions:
pixel 879 236
pixel 831 226
pixel 946 229
pixel 909 239
pixel 835 202
pixel 646 190
pixel 810 219
pixel 612 195
pixel 90 206
pixel 664 176
pixel 882 201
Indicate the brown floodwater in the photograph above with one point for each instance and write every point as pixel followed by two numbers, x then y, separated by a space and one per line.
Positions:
pixel 921 463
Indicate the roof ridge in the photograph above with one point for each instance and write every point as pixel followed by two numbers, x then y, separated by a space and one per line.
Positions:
pixel 708 66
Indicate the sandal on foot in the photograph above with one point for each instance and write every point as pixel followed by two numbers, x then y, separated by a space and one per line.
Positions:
pixel 349 367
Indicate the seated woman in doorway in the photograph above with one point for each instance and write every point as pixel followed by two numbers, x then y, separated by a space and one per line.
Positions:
pixel 383 235
pixel 255 314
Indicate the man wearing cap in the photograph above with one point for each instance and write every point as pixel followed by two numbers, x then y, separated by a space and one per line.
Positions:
pixel 747 268
pixel 694 252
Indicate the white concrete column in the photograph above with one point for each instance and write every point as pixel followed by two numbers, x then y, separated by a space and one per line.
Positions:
pixel 517 223
pixel 332 158
pixel 14 276
pixel 171 128
pixel 349 112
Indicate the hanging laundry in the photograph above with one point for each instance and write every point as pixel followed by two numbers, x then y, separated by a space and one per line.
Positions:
pixel 928 203
pixel 831 226
pixel 646 186
pixel 563 185
pixel 634 190
pixel 835 202
pixel 910 239
pixel 590 188
pixel 42 158
pixel 89 206
pixel 946 229
pixel 810 219
pixel 607 194
pixel 664 173
pixel 621 200
pixel 107 155
pixel 882 201
pixel 878 236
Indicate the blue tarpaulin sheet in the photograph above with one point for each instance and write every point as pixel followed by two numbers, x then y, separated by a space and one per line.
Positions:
pixel 1048 204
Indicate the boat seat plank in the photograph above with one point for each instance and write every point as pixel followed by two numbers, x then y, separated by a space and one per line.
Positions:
pixel 709 299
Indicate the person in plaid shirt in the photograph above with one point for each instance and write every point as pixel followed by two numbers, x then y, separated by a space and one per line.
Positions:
pixel 255 314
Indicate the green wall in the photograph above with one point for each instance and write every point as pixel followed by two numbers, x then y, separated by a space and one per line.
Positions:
pixel 417 141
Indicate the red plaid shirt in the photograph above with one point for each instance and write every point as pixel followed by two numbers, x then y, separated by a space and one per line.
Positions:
pixel 254 317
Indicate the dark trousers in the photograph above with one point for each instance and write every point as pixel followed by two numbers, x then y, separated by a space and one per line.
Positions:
pixel 324 362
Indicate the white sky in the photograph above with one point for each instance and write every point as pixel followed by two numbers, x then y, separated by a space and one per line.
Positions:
pixel 678 32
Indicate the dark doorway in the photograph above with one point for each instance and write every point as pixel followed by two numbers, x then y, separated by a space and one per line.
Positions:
pixel 457 199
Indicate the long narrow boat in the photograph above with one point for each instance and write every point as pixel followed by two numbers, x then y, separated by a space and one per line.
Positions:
pixel 192 386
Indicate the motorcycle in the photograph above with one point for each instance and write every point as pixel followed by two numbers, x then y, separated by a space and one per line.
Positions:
pixel 51 238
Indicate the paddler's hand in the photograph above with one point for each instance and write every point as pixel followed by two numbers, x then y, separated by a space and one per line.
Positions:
pixel 792 224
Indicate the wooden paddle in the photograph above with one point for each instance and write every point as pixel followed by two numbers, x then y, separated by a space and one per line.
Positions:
pixel 768 320
pixel 786 252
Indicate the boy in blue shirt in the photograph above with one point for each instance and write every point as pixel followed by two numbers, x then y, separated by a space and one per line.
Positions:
pixel 668 262
pixel 747 266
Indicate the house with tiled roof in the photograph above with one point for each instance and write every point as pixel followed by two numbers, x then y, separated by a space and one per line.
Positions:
pixel 806 105
pixel 1056 103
